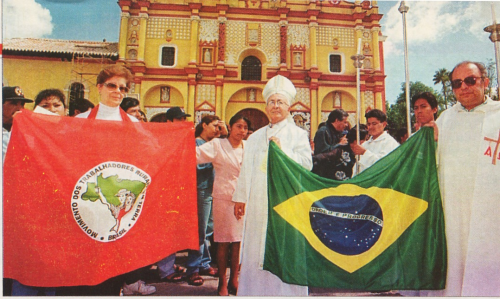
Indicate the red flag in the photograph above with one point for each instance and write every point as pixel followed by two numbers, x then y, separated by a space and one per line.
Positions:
pixel 86 200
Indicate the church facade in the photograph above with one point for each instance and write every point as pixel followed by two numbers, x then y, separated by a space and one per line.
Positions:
pixel 216 56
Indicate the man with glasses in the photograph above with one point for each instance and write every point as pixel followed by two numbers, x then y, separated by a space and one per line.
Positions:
pixel 250 196
pixel 469 178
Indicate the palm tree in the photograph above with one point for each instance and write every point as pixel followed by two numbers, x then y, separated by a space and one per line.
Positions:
pixel 443 76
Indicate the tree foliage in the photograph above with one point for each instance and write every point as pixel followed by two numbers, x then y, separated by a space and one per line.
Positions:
pixel 443 76
pixel 491 74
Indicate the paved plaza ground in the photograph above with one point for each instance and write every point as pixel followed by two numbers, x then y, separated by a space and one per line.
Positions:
pixel 209 288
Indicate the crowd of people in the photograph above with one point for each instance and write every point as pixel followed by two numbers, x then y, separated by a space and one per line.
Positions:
pixel 232 178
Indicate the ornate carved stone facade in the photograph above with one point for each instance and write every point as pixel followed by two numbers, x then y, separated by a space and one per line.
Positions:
pixel 198 48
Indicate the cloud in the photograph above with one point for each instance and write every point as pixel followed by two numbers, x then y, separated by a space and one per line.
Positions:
pixel 25 18
pixel 479 14
pixel 430 22
pixel 66 1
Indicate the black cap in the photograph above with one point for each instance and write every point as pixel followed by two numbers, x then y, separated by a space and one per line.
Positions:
pixel 176 112
pixel 13 93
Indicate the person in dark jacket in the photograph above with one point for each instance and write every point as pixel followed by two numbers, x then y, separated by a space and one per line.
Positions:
pixel 337 164
pixel 328 138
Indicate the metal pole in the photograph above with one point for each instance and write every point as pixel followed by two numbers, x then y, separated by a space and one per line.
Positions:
pixel 358 62
pixel 494 31
pixel 403 9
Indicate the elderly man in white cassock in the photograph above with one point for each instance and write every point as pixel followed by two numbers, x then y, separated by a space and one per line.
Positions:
pixel 251 191
pixel 469 178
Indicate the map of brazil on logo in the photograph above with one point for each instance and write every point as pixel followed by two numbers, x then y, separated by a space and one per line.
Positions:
pixel 107 201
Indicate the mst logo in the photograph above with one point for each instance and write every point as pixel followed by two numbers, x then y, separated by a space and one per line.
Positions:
pixel 108 199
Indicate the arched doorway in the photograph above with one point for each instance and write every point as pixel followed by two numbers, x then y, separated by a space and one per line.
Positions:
pixel 258 118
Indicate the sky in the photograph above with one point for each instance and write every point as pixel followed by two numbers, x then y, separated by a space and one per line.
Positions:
pixel 440 33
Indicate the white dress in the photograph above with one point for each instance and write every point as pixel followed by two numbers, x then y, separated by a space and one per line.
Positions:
pixel 227 164
pixel 252 190
pixel 470 187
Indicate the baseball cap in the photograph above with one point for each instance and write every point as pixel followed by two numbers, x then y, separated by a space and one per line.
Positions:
pixel 176 112
pixel 14 93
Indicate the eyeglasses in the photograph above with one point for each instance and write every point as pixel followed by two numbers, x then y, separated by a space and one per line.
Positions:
pixel 470 81
pixel 113 87
pixel 277 103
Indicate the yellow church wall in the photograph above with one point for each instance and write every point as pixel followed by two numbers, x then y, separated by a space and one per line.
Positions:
pixel 324 53
pixel 34 75
pixel 152 54
pixel 150 93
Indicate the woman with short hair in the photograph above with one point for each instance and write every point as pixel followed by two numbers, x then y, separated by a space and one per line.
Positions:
pixel 113 83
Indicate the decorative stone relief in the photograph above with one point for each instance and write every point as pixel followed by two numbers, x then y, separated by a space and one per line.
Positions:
pixel 303 96
pixel 344 36
pixel 283 39
pixel 150 112
pixel 209 30
pixel 236 42
pixel 367 63
pixel 198 115
pixel 132 54
pixel 337 100
pixel 133 30
pixel 222 40
pixel 324 116
pixel 298 35
pixel 302 120
pixel 205 93
pixel 158 26
pixel 271 41
pixel 351 119
pixel 369 99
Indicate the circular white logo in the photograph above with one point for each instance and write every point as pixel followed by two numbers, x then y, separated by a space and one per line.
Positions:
pixel 108 199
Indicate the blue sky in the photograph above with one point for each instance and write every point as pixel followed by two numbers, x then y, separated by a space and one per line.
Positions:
pixel 440 34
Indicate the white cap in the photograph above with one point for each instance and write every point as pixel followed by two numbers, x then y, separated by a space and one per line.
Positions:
pixel 281 85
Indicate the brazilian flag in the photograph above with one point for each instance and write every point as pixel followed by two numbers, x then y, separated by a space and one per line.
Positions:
pixel 381 230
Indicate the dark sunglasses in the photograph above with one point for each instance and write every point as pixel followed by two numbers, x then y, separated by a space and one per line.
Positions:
pixel 470 81
pixel 113 86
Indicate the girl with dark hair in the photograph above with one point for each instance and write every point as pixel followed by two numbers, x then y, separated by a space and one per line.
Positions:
pixel 52 100
pixel 226 156
pixel 199 261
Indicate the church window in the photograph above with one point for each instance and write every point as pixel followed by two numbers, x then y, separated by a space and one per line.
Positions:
pixel 335 63
pixel 168 56
pixel 251 69
pixel 77 91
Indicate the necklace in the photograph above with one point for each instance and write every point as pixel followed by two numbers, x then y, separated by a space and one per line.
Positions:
pixel 274 135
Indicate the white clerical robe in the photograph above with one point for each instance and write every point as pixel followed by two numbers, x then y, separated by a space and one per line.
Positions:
pixel 252 190
pixel 469 178
pixel 376 149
